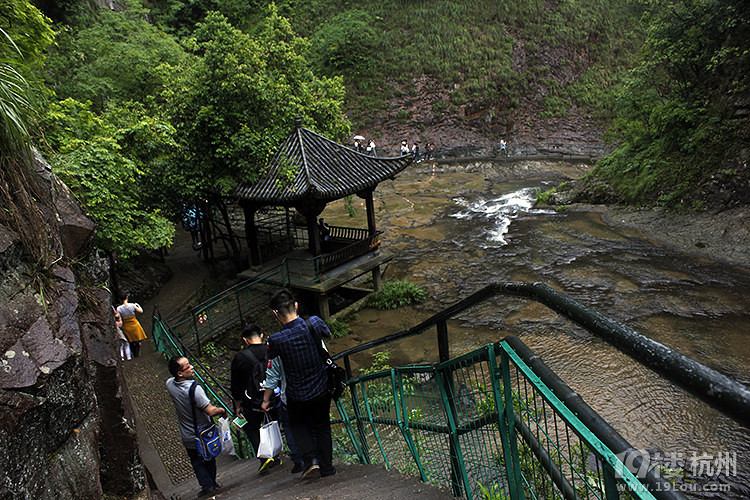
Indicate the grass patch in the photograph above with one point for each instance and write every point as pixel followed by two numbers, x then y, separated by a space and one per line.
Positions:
pixel 395 294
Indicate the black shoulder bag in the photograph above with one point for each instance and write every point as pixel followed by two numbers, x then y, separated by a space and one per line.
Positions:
pixel 336 375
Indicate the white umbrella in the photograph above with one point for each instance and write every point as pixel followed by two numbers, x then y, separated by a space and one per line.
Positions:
pixel 358 138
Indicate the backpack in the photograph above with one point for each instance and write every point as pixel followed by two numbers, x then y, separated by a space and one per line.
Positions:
pixel 253 391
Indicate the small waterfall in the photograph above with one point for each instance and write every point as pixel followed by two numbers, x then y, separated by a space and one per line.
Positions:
pixel 499 212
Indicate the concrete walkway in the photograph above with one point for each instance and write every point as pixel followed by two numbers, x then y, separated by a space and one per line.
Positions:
pixel 163 454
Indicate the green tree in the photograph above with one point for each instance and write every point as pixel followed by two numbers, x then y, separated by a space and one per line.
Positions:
pixel 348 43
pixel 112 60
pixel 26 33
pixel 95 159
pixel 677 117
pixel 234 105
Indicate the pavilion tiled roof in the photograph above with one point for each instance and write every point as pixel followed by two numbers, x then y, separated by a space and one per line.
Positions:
pixel 324 171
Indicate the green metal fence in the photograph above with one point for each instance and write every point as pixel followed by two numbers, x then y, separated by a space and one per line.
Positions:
pixel 496 423
pixel 482 425
pixel 233 307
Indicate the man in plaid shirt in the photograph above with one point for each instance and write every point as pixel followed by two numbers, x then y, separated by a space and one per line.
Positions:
pixel 308 400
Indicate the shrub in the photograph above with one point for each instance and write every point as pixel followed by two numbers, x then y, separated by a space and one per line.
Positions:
pixel 338 328
pixel 396 294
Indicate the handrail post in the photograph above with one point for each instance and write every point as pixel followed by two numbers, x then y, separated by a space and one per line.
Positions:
pixel 195 331
pixel 239 308
pixel 442 338
pixel 446 391
pixel 358 416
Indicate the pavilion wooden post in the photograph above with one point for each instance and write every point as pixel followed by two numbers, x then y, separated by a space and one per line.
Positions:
pixel 314 234
pixel 372 229
pixel 311 208
pixel 323 308
pixel 370 208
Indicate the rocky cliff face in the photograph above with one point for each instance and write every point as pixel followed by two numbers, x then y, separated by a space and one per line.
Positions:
pixel 65 415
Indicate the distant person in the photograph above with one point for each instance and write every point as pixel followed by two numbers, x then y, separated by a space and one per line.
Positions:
pixel 191 222
pixel 324 230
pixel 503 148
pixel 404 148
pixel 415 150
pixel 430 149
pixel 130 325
pixel 123 340
pixel 371 148
pixel 178 387
pixel 308 399
pixel 247 374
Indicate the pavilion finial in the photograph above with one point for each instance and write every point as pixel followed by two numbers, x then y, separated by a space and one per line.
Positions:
pixel 298 121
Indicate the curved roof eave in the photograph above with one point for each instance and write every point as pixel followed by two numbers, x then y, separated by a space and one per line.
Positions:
pixel 323 170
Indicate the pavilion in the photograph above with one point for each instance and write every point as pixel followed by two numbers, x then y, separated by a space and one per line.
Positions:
pixel 306 173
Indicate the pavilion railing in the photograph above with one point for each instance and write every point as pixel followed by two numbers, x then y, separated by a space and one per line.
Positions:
pixel 357 242
pixel 352 251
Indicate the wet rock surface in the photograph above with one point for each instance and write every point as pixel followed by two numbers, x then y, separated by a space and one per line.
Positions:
pixel 61 432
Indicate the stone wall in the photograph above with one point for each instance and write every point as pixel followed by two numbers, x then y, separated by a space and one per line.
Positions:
pixel 65 415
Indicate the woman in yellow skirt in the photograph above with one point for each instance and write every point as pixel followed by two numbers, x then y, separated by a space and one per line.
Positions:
pixel 130 325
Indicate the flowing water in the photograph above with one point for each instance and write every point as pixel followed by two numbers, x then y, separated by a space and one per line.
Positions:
pixel 457 229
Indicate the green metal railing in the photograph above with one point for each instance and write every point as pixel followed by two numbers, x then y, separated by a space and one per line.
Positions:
pixel 484 426
pixel 497 423
pixel 233 307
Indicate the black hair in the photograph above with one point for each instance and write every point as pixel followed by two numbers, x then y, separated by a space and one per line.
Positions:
pixel 122 296
pixel 282 301
pixel 174 365
pixel 251 330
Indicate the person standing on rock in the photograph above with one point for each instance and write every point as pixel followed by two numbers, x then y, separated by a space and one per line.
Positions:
pixel 503 148
pixel 308 399
pixel 179 389
pixel 130 325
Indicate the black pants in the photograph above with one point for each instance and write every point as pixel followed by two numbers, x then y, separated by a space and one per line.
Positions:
pixel 135 348
pixel 313 415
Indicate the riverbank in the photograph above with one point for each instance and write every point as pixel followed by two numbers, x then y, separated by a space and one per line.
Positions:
pixel 720 236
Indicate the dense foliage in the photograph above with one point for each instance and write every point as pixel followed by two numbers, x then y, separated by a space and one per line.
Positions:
pixel 149 105
pixel 235 103
pixel 682 114
pixel 140 121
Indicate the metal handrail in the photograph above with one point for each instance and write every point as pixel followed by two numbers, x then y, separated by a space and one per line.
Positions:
pixel 710 386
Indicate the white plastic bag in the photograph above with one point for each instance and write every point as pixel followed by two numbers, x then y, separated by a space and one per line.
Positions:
pixel 270 440
pixel 225 432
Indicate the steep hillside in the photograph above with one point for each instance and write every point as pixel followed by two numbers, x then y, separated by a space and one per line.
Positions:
pixel 460 74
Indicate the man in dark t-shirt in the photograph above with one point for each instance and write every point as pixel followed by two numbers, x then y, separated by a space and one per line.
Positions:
pixel 248 373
